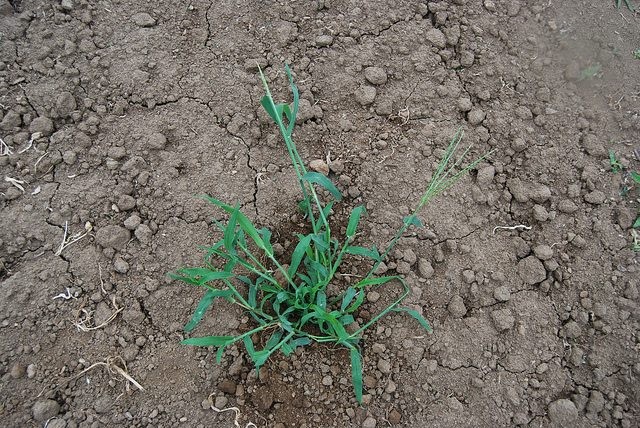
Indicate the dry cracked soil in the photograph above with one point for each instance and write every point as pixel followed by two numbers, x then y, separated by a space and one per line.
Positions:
pixel 114 114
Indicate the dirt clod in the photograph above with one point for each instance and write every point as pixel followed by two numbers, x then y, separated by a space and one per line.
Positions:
pixel 45 409
pixel 113 236
pixel 562 412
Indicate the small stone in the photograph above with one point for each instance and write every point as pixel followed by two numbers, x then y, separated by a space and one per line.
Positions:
pixel 45 409
pixel 324 40
pixel 468 276
pixel 531 270
pixel 67 5
pixel 113 237
pixel 126 202
pixel 596 197
pixel 41 124
pixel 102 404
pixel 503 319
pixel 409 256
pixel 562 412
pixel 143 233
pixel 327 380
pixel 384 366
pixel 337 166
pixel 370 422
pixel 227 386
pixel 365 95
pixel 540 193
pixel 132 222
pixel 121 266
pixel 456 307
pixel 485 176
pixel 17 370
pixel 373 296
pixel 157 141
pixel 320 166
pixel 143 19
pixel 543 252
pixel 378 348
pixel 394 417
pixel 540 213
pixel 502 293
pixel 117 152
pixel 69 157
pixel 572 330
pixel 65 104
pixel 465 104
pixel 10 121
pixel 436 37
pixel 476 116
pixel 221 402
pixel 375 75
pixel 31 371
pixel 596 402
pixel 425 268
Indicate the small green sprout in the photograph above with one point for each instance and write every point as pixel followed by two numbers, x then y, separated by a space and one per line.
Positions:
pixel 615 164
pixel 636 53
pixel 289 303
pixel 590 72
pixel 635 245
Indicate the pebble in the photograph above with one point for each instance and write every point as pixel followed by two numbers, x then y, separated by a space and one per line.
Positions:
pixel 425 268
pixel 572 330
pixel 320 166
pixel 543 252
pixel 436 37
pixel 465 104
pixel 143 233
pixel 324 40
pixel 113 237
pixel 117 152
pixel 126 202
pixel 562 412
pixel 540 193
pixel 31 371
pixel 157 141
pixel 121 266
pixel 102 404
pixel 485 176
pixel 409 256
pixel 502 293
pixel 378 348
pixel 65 104
pixel 227 386
pixel 596 402
pixel 365 95
pixel 327 380
pixel 373 296
pixel 375 75
pixel 221 402
pixel 595 198
pixel 143 19
pixel 531 270
pixel 132 222
pixel 10 121
pixel 503 319
pixel 45 409
pixel 369 422
pixel 476 116
pixel 456 307
pixel 384 366
pixel 67 5
pixel 43 125
pixel 17 370
pixel 394 417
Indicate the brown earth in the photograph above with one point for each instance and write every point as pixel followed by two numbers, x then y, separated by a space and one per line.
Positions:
pixel 114 114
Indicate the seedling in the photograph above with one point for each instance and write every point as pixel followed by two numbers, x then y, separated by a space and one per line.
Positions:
pixel 615 164
pixel 636 54
pixel 590 72
pixel 289 303
pixel 626 3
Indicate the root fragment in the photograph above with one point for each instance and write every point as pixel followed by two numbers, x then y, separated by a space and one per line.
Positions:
pixel 113 369
pixel 85 323
pixel 236 422
pixel 516 227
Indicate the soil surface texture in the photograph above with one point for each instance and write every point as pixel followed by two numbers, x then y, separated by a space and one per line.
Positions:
pixel 116 114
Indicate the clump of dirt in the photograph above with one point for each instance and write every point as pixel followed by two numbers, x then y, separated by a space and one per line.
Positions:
pixel 114 114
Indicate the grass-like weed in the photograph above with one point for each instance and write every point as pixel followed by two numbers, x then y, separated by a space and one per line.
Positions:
pixel 288 301
pixel 636 54
pixel 626 3
pixel 614 163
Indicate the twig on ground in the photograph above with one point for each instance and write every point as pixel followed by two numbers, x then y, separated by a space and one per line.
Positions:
pixel 236 421
pixel 15 182
pixel 516 227
pixel 88 227
pixel 112 368
pixel 5 150
pixel 67 295
pixel 82 325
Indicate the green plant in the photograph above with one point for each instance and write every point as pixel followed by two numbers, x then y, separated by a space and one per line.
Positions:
pixel 615 164
pixel 636 53
pixel 590 72
pixel 289 302
pixel 626 3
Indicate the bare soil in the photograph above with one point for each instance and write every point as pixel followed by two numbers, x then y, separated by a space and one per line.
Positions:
pixel 114 114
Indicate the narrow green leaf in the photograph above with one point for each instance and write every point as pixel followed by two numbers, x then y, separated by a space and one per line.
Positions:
pixel 375 281
pixel 321 299
pixel 356 372
pixel 412 220
pixel 636 224
pixel 209 341
pixel 635 176
pixel 204 304
pixel 296 101
pixel 348 297
pixel 274 339
pixel 219 353
pixel 252 296
pixel 356 304
pixel 345 320
pixel 321 180
pixel 200 276
pixel 415 314
pixel 230 232
pixel 298 254
pixel 270 107
pixel 321 241
pixel 371 253
pixel 354 219
pixel 327 209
